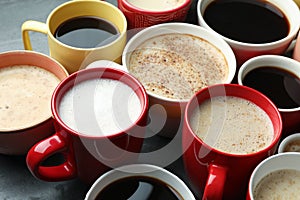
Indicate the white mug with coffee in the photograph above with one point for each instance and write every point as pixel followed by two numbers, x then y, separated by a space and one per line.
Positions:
pixel 290 144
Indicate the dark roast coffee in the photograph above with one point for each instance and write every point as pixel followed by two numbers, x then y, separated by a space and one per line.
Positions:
pixel 138 188
pixel 250 21
pixel 281 86
pixel 86 32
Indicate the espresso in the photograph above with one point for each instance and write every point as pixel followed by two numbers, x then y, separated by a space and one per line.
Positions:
pixel 293 146
pixel 250 21
pixel 25 96
pixel 86 32
pixel 232 125
pixel 281 86
pixel 281 184
pixel 99 107
pixel 177 65
pixel 138 188
pixel 156 5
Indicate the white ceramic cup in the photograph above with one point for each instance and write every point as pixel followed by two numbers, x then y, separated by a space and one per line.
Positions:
pixel 289 161
pixel 144 170
pixel 290 144
pixel 171 111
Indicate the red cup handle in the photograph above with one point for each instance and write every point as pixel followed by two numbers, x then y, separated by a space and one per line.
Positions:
pixel 215 183
pixel 43 150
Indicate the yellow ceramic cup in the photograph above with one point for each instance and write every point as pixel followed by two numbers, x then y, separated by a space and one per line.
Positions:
pixel 73 58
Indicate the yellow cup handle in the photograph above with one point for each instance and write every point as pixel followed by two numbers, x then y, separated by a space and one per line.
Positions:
pixel 32 25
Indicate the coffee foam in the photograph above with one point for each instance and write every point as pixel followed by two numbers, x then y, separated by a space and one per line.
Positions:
pixel 281 184
pixel 156 5
pixel 99 107
pixel 25 96
pixel 177 65
pixel 233 125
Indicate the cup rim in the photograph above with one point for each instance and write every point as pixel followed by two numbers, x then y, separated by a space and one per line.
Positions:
pixel 72 77
pixel 251 63
pixel 187 114
pixel 145 170
pixel 131 7
pixel 253 46
pixel 121 34
pixel 232 67
pixel 44 56
pixel 286 141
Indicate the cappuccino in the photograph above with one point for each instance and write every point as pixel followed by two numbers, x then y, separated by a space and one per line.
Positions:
pixel 281 184
pixel 25 96
pixel 232 125
pixel 177 65
pixel 156 5
pixel 99 107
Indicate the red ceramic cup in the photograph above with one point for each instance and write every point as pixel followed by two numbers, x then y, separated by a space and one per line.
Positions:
pixel 18 140
pixel 214 174
pixel 140 18
pixel 87 157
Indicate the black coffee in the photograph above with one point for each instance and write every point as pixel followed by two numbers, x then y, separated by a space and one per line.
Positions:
pixel 250 21
pixel 138 188
pixel 281 86
pixel 86 32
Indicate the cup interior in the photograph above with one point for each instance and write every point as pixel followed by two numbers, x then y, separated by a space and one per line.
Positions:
pixel 293 139
pixel 138 170
pixel 98 73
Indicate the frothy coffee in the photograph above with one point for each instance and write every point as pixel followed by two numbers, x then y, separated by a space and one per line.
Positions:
pixel 177 65
pixel 99 107
pixel 281 184
pixel 233 125
pixel 25 96
pixel 156 5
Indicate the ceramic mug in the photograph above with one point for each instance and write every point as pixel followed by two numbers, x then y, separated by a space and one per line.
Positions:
pixel 154 12
pixel 290 144
pixel 245 50
pixel 288 162
pixel 161 175
pixel 290 115
pixel 166 110
pixel 89 151
pixel 18 140
pixel 217 174
pixel 75 58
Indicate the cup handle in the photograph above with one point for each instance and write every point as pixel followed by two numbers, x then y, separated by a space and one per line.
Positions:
pixel 46 148
pixel 32 25
pixel 215 182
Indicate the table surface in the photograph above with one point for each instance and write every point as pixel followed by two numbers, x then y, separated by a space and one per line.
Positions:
pixel 16 182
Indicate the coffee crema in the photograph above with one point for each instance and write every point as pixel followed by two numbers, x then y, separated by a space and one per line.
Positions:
pixel 293 146
pixel 99 107
pixel 177 65
pixel 281 184
pixel 250 21
pixel 156 5
pixel 86 32
pixel 138 188
pixel 232 125
pixel 25 96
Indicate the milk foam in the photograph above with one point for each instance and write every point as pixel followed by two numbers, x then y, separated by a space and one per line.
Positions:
pixel 177 65
pixel 156 5
pixel 281 184
pixel 233 125
pixel 100 107
pixel 25 94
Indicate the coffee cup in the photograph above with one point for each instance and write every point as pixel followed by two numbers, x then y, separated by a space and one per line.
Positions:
pixel 74 19
pixel 278 77
pixel 251 28
pixel 27 80
pixel 173 61
pixel 139 181
pixel 222 138
pixel 290 143
pixel 100 116
pixel 141 14
pixel 276 177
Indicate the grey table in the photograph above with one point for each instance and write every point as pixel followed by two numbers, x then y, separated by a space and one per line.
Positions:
pixel 16 182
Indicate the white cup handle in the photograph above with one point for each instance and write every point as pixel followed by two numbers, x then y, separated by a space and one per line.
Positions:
pixel 106 63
